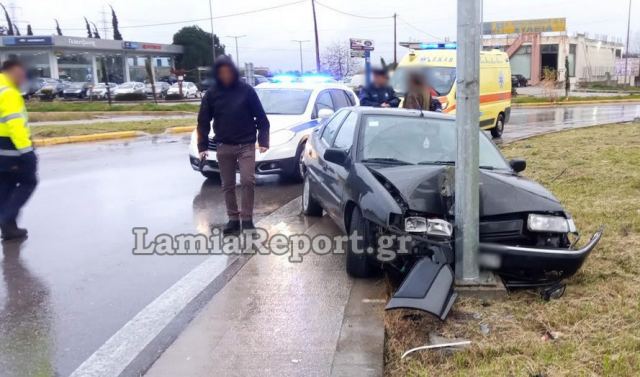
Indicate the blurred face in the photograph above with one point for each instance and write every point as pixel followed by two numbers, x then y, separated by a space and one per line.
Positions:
pixel 17 74
pixel 380 80
pixel 226 75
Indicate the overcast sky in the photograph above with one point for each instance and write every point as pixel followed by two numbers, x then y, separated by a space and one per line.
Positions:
pixel 269 33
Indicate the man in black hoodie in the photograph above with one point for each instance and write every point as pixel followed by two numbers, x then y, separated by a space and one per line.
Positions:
pixel 237 116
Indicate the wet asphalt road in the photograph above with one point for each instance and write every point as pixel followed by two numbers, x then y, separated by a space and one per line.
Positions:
pixel 75 282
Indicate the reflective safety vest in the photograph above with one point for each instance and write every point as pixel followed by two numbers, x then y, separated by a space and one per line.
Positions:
pixel 15 137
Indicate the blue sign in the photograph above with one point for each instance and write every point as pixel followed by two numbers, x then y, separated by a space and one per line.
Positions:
pixel 130 45
pixel 27 41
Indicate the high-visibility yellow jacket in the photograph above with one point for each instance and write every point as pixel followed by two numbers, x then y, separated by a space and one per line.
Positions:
pixel 15 137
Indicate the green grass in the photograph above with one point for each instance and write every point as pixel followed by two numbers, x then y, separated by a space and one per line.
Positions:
pixel 151 127
pixel 531 99
pixel 595 173
pixel 57 116
pixel 36 106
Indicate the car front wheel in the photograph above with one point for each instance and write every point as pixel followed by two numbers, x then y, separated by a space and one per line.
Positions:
pixel 310 206
pixel 215 176
pixel 358 263
pixel 497 131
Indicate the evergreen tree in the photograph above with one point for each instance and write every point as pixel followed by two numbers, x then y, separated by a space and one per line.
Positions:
pixel 58 30
pixel 96 35
pixel 114 21
pixel 29 30
pixel 9 22
pixel 86 23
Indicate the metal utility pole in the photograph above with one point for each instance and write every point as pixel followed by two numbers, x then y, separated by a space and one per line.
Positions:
pixel 236 37
pixel 395 39
pixel 626 60
pixel 300 42
pixel 467 127
pixel 213 36
pixel 315 28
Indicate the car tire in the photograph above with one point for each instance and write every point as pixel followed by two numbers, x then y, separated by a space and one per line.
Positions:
pixel 310 206
pixel 358 263
pixel 498 129
pixel 298 170
pixel 211 175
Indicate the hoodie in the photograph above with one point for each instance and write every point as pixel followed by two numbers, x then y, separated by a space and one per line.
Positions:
pixel 236 112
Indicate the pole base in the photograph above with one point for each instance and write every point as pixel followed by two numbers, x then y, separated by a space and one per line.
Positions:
pixel 489 286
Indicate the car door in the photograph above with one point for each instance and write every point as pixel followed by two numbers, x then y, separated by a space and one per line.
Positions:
pixel 335 176
pixel 316 166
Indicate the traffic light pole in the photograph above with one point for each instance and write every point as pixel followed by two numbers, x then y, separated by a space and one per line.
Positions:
pixel 467 123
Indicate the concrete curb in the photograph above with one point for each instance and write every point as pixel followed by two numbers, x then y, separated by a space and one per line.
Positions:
pixel 87 138
pixel 180 129
pixel 573 103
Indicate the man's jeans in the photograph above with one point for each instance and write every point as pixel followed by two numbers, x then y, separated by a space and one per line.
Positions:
pixel 16 187
pixel 242 156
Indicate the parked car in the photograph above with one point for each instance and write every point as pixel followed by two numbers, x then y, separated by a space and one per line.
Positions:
pixel 77 90
pixel 205 84
pixel 130 87
pixel 99 91
pixel 259 79
pixel 390 172
pixel 51 88
pixel 161 89
pixel 189 90
pixel 294 111
pixel 518 80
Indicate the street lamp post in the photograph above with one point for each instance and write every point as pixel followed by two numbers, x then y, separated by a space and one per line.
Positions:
pixel 300 42
pixel 236 37
pixel 213 36
pixel 467 159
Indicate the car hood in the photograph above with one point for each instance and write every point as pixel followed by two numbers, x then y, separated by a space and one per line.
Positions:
pixel 500 192
pixel 280 122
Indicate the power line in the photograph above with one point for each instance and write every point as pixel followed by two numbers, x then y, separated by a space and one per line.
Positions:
pixel 353 14
pixel 418 29
pixel 203 19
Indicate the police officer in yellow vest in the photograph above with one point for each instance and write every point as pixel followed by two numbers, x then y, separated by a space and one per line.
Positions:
pixel 18 161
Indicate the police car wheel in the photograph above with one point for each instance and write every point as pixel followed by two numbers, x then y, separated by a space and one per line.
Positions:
pixel 310 206
pixel 298 171
pixel 497 131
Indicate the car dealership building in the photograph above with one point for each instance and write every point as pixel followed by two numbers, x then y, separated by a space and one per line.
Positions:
pixel 86 59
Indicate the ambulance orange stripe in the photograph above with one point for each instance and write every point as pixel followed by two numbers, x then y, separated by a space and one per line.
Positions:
pixel 486 98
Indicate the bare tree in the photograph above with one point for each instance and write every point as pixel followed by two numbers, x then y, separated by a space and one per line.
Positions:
pixel 336 60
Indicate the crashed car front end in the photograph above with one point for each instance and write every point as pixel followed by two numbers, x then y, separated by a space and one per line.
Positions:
pixel 526 237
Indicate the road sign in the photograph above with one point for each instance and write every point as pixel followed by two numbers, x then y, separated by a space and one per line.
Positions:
pixel 361 44
pixel 358 54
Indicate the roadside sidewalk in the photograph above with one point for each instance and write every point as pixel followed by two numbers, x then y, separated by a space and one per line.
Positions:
pixel 277 318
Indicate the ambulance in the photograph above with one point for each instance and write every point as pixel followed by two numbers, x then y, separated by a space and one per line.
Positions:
pixel 437 62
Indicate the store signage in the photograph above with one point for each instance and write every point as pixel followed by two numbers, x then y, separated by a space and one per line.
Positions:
pixel 81 42
pixel 543 25
pixel 151 46
pixel 27 41
pixel 361 44
pixel 130 45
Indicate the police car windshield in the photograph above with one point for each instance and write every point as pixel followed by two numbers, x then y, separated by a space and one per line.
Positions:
pixel 389 139
pixel 284 101
pixel 441 79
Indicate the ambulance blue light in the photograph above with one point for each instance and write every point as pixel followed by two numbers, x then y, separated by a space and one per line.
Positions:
pixel 438 46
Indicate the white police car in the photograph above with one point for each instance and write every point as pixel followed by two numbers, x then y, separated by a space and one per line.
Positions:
pixel 294 108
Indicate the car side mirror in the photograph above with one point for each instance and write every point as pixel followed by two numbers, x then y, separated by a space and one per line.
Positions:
pixel 325 114
pixel 518 165
pixel 336 155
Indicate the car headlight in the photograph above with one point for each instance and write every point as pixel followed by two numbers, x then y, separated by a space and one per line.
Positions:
pixel 545 223
pixel 433 227
pixel 281 137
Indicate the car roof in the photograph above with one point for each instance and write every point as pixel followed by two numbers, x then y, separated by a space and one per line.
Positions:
pixel 365 110
pixel 302 85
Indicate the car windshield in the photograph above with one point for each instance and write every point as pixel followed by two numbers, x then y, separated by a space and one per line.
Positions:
pixel 441 79
pixel 127 85
pixel 76 85
pixel 284 101
pixel 393 139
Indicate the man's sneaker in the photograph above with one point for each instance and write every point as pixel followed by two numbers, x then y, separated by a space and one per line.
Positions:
pixel 10 231
pixel 248 225
pixel 232 227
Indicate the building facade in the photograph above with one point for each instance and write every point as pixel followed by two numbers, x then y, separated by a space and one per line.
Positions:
pixel 590 59
pixel 90 60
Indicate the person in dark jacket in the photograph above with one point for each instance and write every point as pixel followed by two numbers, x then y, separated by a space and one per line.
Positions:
pixel 379 93
pixel 238 122
pixel 419 95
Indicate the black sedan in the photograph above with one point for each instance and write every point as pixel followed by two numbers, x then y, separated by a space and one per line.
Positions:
pixel 387 176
